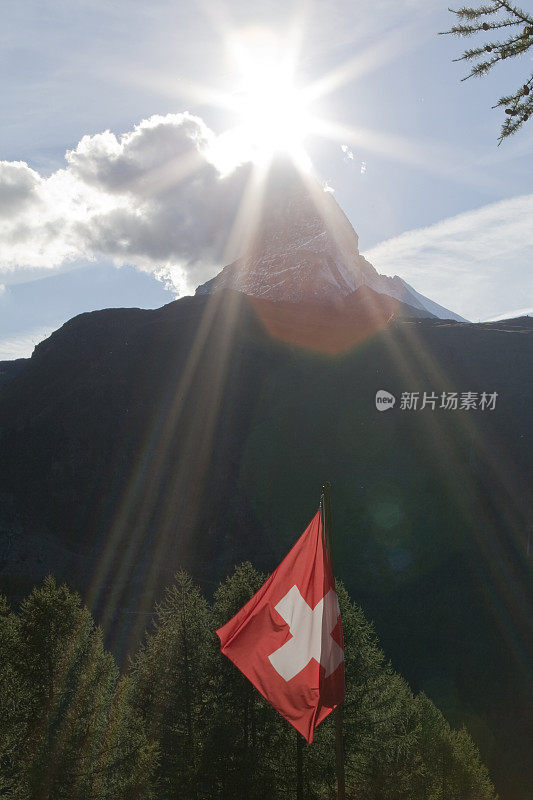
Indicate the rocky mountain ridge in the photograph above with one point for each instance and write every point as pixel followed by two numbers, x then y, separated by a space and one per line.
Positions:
pixel 303 248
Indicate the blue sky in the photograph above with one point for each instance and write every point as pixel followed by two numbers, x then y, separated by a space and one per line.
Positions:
pixel 419 173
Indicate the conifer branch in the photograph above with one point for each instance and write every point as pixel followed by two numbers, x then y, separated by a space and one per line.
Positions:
pixel 472 21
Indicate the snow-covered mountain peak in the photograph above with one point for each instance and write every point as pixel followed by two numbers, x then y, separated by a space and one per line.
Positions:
pixel 304 249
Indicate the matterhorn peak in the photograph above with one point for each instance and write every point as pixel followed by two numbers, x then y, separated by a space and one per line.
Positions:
pixel 303 248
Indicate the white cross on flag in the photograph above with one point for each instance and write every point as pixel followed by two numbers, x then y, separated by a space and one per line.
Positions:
pixel 287 639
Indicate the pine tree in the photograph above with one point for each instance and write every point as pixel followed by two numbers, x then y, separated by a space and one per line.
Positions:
pixel 380 721
pixel 170 686
pixel 128 757
pixel 516 27
pixel 13 721
pixel 452 766
pixel 76 737
pixel 71 728
pixel 251 750
pixel 398 746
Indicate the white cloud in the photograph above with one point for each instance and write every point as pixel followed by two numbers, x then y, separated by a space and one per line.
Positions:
pixel 516 312
pixel 478 263
pixel 19 186
pixel 152 197
pixel 347 152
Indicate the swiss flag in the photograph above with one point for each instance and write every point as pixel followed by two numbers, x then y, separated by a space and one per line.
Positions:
pixel 287 639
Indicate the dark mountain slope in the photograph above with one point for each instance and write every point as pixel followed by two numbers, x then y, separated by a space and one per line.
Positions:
pixel 10 369
pixel 135 442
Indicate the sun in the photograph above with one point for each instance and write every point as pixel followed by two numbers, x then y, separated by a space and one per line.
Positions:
pixel 273 113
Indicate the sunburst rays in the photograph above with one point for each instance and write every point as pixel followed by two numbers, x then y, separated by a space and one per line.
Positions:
pixel 132 528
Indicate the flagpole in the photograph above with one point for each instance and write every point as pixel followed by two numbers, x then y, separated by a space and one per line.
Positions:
pixel 299 767
pixel 325 504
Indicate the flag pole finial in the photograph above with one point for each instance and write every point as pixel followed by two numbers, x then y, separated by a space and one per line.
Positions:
pixel 325 507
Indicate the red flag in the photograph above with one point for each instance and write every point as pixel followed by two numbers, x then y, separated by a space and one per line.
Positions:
pixel 287 639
